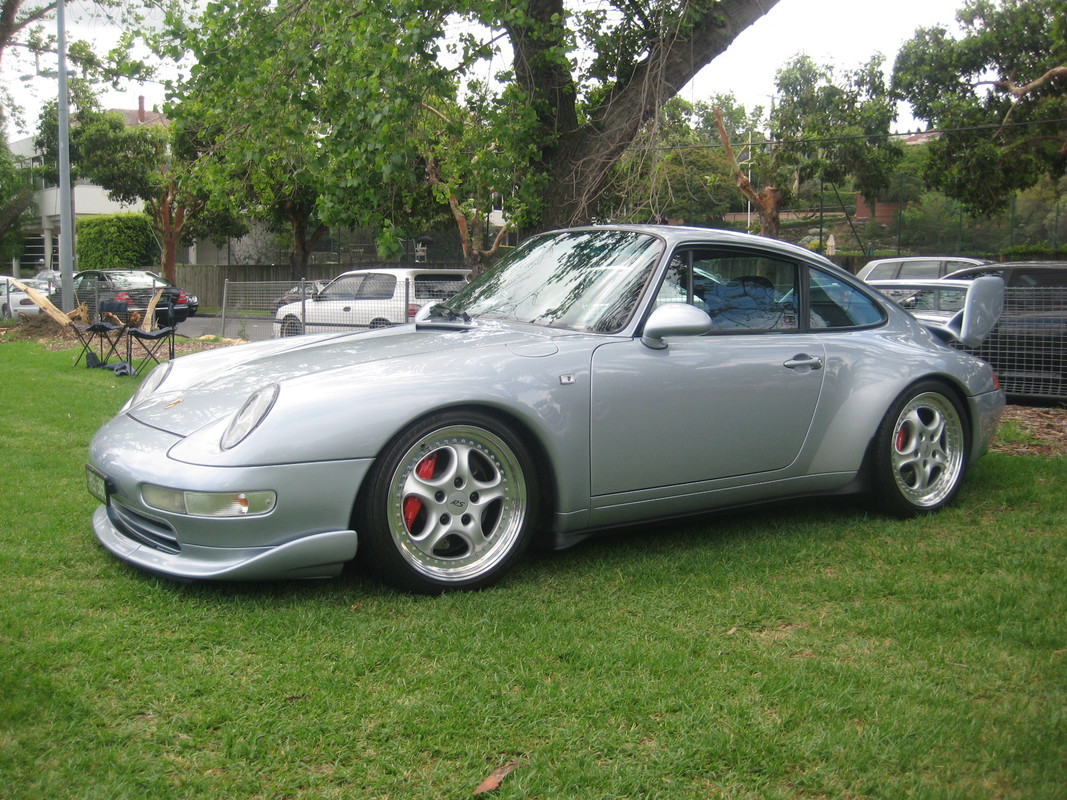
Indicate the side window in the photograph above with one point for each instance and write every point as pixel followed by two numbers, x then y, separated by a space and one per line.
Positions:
pixel 377 286
pixel 887 269
pixel 920 269
pixel 740 292
pixel 346 288
pixel 836 304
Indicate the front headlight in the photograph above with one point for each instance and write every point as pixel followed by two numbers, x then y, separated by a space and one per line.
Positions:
pixel 209 504
pixel 251 414
pixel 148 385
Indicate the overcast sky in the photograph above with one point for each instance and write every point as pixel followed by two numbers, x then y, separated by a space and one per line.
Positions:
pixel 845 33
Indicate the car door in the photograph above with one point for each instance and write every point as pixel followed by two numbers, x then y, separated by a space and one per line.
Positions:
pixel 736 401
pixel 331 308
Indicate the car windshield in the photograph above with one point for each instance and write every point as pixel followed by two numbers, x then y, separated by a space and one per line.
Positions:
pixel 582 280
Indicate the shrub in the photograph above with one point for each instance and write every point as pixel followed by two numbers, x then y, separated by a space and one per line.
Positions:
pixel 116 241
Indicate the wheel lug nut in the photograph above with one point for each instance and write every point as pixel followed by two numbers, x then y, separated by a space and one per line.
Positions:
pixel 439 497
pixel 445 519
pixel 474 497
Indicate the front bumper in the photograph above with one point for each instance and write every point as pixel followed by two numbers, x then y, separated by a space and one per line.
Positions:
pixel 319 555
pixel 307 534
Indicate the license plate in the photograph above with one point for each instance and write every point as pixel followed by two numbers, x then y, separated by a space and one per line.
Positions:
pixel 97 483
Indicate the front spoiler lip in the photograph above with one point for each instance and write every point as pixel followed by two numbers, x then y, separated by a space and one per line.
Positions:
pixel 318 555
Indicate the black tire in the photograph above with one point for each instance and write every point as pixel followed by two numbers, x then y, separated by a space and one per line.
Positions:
pixel 291 326
pixel 379 323
pixel 449 504
pixel 920 451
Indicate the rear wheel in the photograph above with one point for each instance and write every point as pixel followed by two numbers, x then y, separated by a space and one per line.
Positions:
pixel 449 504
pixel 921 451
pixel 291 326
pixel 380 323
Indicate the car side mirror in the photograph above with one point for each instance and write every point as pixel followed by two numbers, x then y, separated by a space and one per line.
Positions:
pixel 674 319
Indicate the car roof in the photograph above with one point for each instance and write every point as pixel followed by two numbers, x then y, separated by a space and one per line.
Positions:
pixel 401 271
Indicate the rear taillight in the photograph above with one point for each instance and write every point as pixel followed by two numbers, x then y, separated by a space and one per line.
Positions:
pixel 124 297
pixel 181 296
pixel 413 309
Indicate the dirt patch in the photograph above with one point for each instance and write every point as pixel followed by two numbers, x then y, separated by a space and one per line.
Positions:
pixel 1025 429
pixel 1032 431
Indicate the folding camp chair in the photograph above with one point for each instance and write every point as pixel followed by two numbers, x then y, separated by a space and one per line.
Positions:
pixel 104 335
pixel 147 346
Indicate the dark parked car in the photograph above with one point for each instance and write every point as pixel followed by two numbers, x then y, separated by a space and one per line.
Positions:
pixel 1028 347
pixel 302 291
pixel 135 288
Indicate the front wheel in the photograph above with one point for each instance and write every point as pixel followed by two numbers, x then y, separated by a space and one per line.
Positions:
pixel 449 504
pixel 291 326
pixel 921 451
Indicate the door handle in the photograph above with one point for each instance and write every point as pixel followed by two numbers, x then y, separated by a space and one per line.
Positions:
pixel 804 360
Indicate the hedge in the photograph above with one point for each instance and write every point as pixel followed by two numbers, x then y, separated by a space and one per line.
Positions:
pixel 116 241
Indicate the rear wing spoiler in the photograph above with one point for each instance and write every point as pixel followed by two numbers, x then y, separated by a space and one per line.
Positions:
pixel 964 311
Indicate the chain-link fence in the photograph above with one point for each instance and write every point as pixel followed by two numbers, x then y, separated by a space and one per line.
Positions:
pixel 371 299
pixel 1028 346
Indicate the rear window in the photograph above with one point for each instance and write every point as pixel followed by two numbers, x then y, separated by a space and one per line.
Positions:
pixel 429 286
pixel 135 280
pixel 1038 277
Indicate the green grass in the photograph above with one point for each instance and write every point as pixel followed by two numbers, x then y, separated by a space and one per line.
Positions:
pixel 807 651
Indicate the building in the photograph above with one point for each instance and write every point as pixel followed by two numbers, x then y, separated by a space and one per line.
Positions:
pixel 42 237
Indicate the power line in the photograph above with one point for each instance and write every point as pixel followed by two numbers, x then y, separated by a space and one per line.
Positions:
pixel 864 137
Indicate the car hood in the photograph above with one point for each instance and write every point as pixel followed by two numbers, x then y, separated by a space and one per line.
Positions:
pixel 201 389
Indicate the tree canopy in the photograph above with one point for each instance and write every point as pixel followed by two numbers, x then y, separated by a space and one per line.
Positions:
pixel 362 105
pixel 997 95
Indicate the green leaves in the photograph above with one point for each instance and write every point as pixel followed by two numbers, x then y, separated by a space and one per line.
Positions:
pixel 998 95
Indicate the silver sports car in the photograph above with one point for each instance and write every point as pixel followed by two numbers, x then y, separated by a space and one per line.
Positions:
pixel 595 377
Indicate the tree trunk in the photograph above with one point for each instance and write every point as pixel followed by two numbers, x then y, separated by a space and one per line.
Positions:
pixel 768 201
pixel 303 244
pixel 581 156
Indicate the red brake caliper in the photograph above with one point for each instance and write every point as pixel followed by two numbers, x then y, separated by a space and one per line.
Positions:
pixel 413 505
pixel 902 438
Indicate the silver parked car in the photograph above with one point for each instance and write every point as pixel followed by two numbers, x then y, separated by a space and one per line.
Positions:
pixel 595 377
pixel 915 267
pixel 368 298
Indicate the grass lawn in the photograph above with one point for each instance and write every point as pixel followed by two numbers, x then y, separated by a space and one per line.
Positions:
pixel 811 650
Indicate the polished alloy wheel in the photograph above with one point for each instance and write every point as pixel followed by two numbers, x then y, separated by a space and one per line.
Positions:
pixel 457 503
pixel 927 453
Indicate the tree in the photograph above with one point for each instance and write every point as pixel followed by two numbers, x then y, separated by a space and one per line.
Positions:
pixel 674 170
pixel 997 95
pixel 304 115
pixel 146 163
pixel 22 23
pixel 643 53
pixel 825 128
pixel 342 89
pixel 16 199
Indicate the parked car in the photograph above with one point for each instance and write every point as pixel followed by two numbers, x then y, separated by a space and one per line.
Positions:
pixel 369 298
pixel 553 396
pixel 1028 348
pixel 135 288
pixel 915 267
pixel 302 291
pixel 14 301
